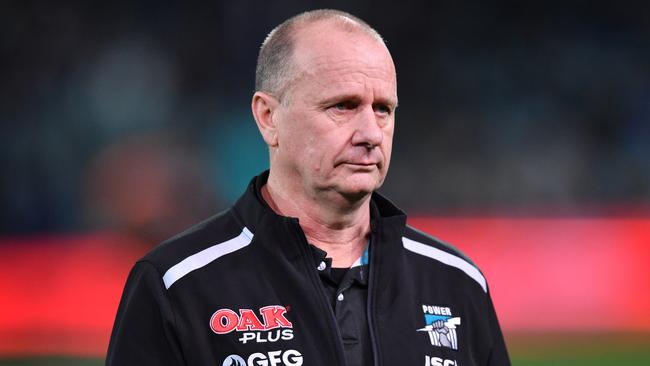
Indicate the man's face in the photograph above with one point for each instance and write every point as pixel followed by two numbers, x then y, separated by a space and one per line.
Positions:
pixel 335 126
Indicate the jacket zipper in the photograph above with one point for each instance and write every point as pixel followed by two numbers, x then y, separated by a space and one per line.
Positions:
pixel 372 270
pixel 323 296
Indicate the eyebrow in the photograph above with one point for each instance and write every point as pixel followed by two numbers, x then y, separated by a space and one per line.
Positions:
pixel 355 97
pixel 340 97
pixel 388 101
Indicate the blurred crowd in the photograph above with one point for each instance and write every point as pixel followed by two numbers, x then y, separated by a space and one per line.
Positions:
pixel 135 115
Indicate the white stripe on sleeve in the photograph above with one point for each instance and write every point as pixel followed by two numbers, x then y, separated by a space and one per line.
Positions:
pixel 446 258
pixel 206 256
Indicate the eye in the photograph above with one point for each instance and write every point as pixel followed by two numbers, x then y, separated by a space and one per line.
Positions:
pixel 344 106
pixel 382 109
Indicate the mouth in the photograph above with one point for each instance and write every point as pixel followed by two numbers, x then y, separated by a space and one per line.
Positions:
pixel 361 165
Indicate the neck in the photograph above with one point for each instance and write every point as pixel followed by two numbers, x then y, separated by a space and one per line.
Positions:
pixel 341 229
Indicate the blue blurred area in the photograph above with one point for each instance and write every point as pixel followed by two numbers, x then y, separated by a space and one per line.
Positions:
pixel 126 114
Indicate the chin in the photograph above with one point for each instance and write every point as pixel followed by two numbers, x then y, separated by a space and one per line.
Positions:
pixel 360 187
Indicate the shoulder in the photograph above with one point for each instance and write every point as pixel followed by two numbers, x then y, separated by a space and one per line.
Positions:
pixel 415 235
pixel 200 244
pixel 430 248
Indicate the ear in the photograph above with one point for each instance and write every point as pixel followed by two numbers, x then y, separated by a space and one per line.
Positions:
pixel 264 106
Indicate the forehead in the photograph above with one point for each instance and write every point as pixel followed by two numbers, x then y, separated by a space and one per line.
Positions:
pixel 331 57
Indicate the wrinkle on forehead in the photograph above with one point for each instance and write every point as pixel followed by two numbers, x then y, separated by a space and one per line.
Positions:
pixel 328 65
pixel 350 77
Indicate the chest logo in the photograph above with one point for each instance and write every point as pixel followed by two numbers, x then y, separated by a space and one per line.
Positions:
pixel 271 325
pixel 289 357
pixel 225 320
pixel 441 326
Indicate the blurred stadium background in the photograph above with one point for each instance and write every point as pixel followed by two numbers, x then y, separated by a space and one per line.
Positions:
pixel 523 137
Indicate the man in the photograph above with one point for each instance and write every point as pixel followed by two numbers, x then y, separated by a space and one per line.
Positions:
pixel 311 266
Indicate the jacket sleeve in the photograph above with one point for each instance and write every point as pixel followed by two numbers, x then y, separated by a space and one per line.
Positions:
pixel 144 330
pixel 498 353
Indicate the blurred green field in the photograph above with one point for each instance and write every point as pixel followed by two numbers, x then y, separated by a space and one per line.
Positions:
pixel 578 349
pixel 610 349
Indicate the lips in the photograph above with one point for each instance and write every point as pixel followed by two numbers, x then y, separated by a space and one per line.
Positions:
pixel 361 158
pixel 361 164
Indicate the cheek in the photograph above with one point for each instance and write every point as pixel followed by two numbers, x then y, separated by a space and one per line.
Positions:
pixel 318 155
pixel 310 153
pixel 304 147
pixel 291 135
pixel 387 146
pixel 388 142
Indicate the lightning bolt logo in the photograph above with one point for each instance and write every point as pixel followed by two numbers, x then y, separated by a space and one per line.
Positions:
pixel 442 330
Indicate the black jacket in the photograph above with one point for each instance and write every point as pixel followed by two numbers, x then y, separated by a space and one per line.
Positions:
pixel 241 289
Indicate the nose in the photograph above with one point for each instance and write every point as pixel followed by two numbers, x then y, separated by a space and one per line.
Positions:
pixel 368 132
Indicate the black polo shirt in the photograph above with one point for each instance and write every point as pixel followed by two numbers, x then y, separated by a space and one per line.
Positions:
pixel 347 290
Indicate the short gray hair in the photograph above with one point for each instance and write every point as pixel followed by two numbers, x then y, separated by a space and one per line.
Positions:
pixel 275 66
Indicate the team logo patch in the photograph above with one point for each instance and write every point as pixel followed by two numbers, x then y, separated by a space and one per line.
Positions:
pixel 441 326
pixel 272 324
